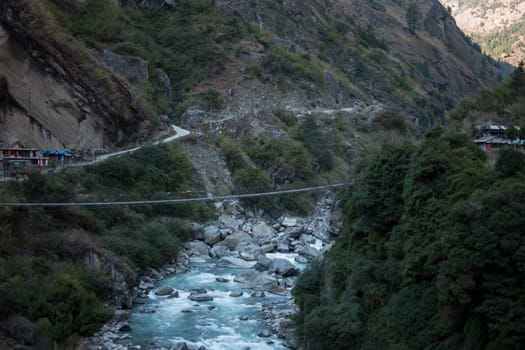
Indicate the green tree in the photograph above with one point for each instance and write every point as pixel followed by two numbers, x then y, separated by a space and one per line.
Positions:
pixel 413 16
pixel 431 255
pixel 510 162
pixel 512 133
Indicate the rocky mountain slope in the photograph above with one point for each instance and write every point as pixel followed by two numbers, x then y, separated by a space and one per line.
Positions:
pixel 497 25
pixel 228 64
pixel 364 54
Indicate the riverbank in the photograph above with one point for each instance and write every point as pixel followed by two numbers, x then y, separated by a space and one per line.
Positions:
pixel 265 256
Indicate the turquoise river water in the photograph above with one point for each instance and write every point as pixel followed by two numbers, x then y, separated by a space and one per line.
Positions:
pixel 225 323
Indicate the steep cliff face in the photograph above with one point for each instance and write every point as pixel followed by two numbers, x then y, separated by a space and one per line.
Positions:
pixel 58 95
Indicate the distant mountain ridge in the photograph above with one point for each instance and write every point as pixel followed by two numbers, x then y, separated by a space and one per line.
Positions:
pixel 498 26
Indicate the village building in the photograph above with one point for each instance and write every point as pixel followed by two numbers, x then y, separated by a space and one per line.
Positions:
pixel 20 157
pixel 495 137
pixel 60 156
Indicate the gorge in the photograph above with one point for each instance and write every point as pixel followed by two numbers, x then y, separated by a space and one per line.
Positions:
pixel 230 289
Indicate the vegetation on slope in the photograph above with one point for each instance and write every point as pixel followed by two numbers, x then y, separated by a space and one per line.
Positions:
pixel 187 42
pixel 503 42
pixel 40 247
pixel 503 104
pixel 431 254
pixel 317 150
pixel 194 42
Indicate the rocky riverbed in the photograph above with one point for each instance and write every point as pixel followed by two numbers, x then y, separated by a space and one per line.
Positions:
pixel 243 261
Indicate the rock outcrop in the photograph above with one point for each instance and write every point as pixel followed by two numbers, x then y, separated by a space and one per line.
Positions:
pixel 80 247
pixel 59 95
pixel 133 69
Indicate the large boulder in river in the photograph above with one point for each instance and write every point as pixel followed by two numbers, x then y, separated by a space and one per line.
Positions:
pixel 230 261
pixel 296 232
pixel 233 240
pixel 289 222
pixel 256 280
pixel 197 248
pixel 164 290
pixel 200 297
pixel 310 253
pixel 245 276
pixel 179 346
pixel 262 232
pixel 301 259
pixel 250 253
pixel 229 221
pixel 220 251
pixel 283 267
pixel 283 247
pixel 248 250
pixel 212 235
pixel 263 263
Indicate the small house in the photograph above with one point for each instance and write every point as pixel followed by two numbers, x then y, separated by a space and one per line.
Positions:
pixel 19 157
pixel 496 137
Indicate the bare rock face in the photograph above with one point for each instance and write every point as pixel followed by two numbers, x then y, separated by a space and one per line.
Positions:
pixel 22 330
pixel 133 69
pixel 59 97
pixel 165 83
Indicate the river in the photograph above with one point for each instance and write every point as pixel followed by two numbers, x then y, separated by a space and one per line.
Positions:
pixel 226 322
pixel 232 286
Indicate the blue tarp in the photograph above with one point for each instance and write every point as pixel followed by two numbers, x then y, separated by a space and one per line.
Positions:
pixel 51 152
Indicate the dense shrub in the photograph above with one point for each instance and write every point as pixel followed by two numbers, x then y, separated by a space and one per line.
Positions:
pixel 145 172
pixel 278 60
pixel 232 153
pixel 510 162
pixel 58 296
pixel 287 117
pixel 390 120
pixel 150 245
pixel 274 154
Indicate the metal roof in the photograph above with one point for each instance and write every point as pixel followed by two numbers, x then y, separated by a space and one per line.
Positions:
pixel 496 127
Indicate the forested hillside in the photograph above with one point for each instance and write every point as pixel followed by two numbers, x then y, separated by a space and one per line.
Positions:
pixel 59 266
pixel 502 104
pixel 432 255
